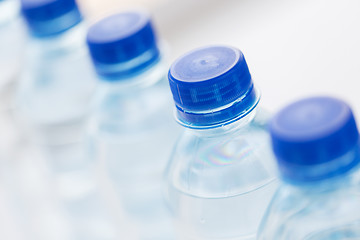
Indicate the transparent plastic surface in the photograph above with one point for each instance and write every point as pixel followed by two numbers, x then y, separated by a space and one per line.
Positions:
pixel 132 134
pixel 12 41
pixel 53 102
pixel 328 209
pixel 82 193
pixel 56 87
pixel 220 180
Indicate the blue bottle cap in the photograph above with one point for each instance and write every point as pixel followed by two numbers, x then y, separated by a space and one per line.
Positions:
pixel 123 44
pixel 314 138
pixel 211 85
pixel 50 17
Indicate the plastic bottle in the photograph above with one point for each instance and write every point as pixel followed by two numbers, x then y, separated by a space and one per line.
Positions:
pixel 316 142
pixel 12 35
pixel 53 100
pixel 221 175
pixel 131 126
pixel 58 82
pixel 12 41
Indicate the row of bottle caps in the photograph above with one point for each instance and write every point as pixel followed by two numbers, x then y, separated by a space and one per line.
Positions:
pixel 222 160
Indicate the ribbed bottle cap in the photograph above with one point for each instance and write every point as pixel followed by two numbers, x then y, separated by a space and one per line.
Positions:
pixel 49 17
pixel 123 44
pixel 209 79
pixel 314 131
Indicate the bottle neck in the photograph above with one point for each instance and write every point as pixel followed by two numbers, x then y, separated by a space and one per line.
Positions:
pixel 351 178
pixel 145 79
pixel 69 40
pixel 230 128
pixel 323 175
pixel 219 117
pixel 146 65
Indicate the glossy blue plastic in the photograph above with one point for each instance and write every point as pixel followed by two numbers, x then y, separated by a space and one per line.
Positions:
pixel 123 44
pixel 50 17
pixel 315 132
pixel 212 85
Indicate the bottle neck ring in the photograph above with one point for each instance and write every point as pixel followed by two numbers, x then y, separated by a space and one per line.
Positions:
pixel 129 69
pixel 301 174
pixel 225 115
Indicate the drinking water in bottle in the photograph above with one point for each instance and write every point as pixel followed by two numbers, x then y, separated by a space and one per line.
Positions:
pixel 12 35
pixel 53 100
pixel 316 143
pixel 131 127
pixel 54 92
pixel 57 83
pixel 221 176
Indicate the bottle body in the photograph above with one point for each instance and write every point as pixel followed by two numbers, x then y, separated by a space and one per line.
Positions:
pixel 220 181
pixel 313 211
pixel 56 87
pixel 316 143
pixel 53 104
pixel 132 135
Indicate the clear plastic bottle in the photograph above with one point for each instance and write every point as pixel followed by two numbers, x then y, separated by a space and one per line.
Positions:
pixel 57 83
pixel 132 129
pixel 12 35
pixel 316 142
pixel 12 41
pixel 221 176
pixel 53 99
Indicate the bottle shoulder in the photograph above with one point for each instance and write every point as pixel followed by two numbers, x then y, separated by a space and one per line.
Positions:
pixel 305 213
pixel 57 86
pixel 223 165
pixel 70 65
pixel 118 109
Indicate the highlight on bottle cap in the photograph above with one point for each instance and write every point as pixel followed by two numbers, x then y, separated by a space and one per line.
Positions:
pixel 315 138
pixel 208 79
pixel 123 44
pixel 50 17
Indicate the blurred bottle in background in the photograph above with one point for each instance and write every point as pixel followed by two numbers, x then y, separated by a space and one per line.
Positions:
pixel 316 142
pixel 12 42
pixel 22 211
pixel 12 35
pixel 221 175
pixel 132 130
pixel 53 103
pixel 57 82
